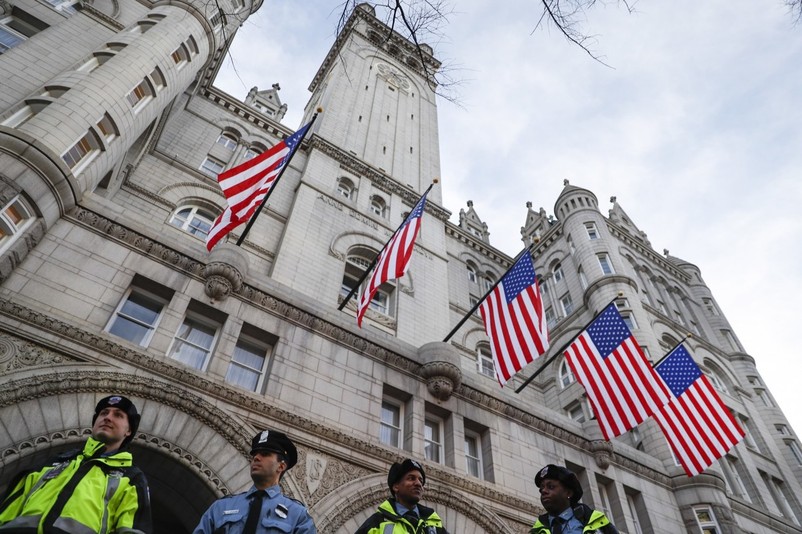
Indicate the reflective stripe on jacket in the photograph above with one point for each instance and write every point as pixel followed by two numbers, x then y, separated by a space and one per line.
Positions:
pixel 387 521
pixel 593 521
pixel 83 494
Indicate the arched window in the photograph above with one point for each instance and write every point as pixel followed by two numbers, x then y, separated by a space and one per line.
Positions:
pixel 484 361
pixel 359 259
pixel 193 219
pixel 472 276
pixel 378 206
pixel 487 281
pixel 227 141
pixel 14 218
pixel 345 188
pixel 557 271
pixel 565 375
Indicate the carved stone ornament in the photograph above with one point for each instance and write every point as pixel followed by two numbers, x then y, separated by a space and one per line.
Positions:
pixel 393 77
pixel 315 468
pixel 602 452
pixel 16 354
pixel 225 272
pixel 442 375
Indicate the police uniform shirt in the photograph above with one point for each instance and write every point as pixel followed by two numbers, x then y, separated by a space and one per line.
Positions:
pixel 571 525
pixel 279 514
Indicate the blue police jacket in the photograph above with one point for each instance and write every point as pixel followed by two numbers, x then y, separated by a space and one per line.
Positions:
pixel 280 514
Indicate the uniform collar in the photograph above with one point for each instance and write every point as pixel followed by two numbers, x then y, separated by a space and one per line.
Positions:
pixel 272 491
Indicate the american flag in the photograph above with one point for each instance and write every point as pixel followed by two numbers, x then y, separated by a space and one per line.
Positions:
pixel 393 259
pixel 621 384
pixel 696 423
pixel 246 185
pixel 514 320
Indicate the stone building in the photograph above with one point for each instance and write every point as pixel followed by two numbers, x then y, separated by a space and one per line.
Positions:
pixel 111 136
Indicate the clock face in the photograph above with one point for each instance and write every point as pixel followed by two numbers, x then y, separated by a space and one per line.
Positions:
pixel 393 76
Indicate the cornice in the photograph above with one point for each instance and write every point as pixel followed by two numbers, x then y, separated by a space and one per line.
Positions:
pixel 379 179
pixel 646 251
pixel 246 112
pixel 504 261
pixel 100 17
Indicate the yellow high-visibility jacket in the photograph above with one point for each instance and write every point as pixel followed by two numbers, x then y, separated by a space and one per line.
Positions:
pixel 85 493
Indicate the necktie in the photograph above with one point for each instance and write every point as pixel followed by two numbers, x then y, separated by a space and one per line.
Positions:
pixel 254 511
pixel 412 517
pixel 557 525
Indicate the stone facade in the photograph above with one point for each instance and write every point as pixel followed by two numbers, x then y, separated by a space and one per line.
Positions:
pixel 108 156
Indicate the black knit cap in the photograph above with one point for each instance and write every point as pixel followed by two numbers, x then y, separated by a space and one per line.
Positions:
pixel 398 470
pixel 124 404
pixel 274 441
pixel 564 476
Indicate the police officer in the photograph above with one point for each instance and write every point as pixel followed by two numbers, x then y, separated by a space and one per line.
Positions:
pixel 560 492
pixel 403 513
pixel 263 509
pixel 93 489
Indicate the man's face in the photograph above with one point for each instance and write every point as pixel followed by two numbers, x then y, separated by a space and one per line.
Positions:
pixel 111 427
pixel 266 469
pixel 554 497
pixel 409 490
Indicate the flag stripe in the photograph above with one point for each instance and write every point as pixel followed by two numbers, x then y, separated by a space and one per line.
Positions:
pixel 514 320
pixel 622 387
pixel 394 258
pixel 697 424
pixel 246 185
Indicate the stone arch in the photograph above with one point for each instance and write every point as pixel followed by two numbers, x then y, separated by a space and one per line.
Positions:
pixel 345 510
pixel 181 193
pixel 191 451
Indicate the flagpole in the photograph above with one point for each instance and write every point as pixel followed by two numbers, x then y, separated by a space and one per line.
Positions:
pixel 373 263
pixel 481 300
pixel 562 349
pixel 275 183
pixel 687 336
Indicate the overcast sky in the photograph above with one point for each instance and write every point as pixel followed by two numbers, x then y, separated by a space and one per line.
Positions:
pixel 696 128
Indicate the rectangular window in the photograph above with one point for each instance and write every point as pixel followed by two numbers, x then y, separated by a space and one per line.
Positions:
pixel 197 335
pixel 158 78
pixel 750 437
pixel 576 412
pixel 706 520
pixel 604 263
pixel 730 339
pixel 15 29
pixel 733 477
pixel 138 313
pixel 139 94
pixel 764 397
pixel 782 430
pixel 180 55
pixel 796 452
pixel 484 362
pixel 593 233
pixel 390 431
pixel 567 304
pixel 629 320
pixel 473 454
pixel 433 440
pixel 784 502
pixel 637 511
pixel 583 280
pixel 107 127
pixel 250 359
pixel 212 167
pixel 82 148
pixel 551 317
